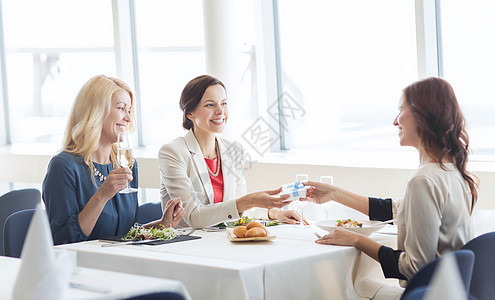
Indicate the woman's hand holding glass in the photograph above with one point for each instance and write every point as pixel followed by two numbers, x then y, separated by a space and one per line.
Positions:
pixel 116 180
pixel 124 156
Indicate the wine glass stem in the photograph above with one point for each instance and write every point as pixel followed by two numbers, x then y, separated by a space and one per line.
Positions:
pixel 302 215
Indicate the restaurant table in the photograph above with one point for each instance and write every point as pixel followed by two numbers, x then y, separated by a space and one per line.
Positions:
pixel 94 284
pixel 290 266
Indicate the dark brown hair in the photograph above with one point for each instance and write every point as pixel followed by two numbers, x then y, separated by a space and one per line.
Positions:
pixel 192 94
pixel 441 125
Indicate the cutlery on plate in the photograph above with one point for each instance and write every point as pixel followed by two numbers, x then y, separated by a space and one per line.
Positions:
pixel 317 234
pixel 186 232
pixel 140 242
pixel 384 222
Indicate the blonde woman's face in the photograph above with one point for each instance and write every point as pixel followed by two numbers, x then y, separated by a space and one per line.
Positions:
pixel 210 116
pixel 118 117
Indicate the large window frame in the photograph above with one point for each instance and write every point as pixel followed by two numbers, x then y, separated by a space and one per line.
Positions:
pixel 268 63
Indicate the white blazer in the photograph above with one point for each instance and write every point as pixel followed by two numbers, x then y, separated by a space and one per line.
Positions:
pixel 184 174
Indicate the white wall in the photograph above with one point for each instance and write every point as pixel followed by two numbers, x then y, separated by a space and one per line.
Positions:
pixel 380 182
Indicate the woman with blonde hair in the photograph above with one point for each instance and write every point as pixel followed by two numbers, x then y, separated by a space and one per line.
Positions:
pixel 80 189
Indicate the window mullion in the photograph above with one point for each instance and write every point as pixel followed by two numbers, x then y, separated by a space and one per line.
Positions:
pixel 427 38
pixel 5 136
pixel 126 53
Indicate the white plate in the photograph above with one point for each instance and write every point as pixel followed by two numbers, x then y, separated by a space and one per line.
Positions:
pixel 330 225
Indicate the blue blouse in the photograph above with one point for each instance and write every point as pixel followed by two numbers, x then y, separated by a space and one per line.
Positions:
pixel 67 188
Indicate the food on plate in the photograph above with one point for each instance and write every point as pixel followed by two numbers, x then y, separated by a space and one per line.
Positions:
pixel 139 233
pixel 256 232
pixel 240 231
pixel 272 223
pixel 253 224
pixel 252 229
pixel 349 223
pixel 242 221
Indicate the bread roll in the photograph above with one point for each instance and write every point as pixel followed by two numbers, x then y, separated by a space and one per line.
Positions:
pixel 256 232
pixel 253 224
pixel 240 231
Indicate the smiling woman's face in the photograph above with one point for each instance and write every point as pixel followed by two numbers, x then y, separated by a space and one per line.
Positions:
pixel 211 114
pixel 118 117
pixel 407 125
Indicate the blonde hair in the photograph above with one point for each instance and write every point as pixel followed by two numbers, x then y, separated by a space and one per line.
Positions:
pixel 91 107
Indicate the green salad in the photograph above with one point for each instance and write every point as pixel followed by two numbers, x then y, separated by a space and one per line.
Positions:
pixel 139 233
pixel 244 221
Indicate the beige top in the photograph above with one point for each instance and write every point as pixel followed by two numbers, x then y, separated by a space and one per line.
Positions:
pixel 184 173
pixel 434 217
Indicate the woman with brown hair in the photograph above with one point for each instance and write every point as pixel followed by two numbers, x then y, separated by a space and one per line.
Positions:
pixel 207 172
pixel 435 215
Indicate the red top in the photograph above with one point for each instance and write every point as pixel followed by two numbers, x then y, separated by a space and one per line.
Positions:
pixel 217 182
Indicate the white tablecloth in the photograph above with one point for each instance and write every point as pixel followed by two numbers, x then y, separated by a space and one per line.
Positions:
pixel 119 285
pixel 289 267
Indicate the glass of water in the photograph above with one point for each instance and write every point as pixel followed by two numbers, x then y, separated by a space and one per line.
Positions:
pixel 302 204
pixel 329 180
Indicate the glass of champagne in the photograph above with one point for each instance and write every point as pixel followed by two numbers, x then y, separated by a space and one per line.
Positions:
pixel 329 180
pixel 302 204
pixel 124 156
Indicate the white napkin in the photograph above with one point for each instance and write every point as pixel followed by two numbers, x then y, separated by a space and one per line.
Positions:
pixel 42 275
pixel 446 282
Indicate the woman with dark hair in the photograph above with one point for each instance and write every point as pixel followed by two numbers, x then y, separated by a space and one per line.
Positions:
pixel 207 172
pixel 435 215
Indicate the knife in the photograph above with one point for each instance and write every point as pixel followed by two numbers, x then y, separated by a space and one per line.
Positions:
pixel 140 242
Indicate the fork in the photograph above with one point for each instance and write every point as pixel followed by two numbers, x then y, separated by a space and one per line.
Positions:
pixel 317 234
pixel 384 222
pixel 186 232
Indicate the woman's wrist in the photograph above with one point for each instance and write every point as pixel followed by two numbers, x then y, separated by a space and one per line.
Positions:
pixel 273 213
pixel 244 203
pixel 358 241
pixel 99 198
pixel 270 214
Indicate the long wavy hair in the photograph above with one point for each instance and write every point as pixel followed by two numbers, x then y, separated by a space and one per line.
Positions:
pixel 441 125
pixel 91 107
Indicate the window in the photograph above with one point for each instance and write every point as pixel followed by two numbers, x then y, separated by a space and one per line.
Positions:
pixel 52 48
pixel 171 52
pixel 468 47
pixel 345 64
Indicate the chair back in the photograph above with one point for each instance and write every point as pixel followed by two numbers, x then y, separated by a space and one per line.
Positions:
pixel 149 212
pixel 420 293
pixel 465 262
pixel 15 230
pixel 482 283
pixel 159 296
pixel 15 201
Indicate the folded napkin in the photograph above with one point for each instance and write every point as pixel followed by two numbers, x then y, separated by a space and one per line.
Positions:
pixel 446 282
pixel 42 274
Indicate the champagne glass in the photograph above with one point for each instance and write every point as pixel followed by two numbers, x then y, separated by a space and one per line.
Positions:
pixel 326 205
pixel 302 204
pixel 124 156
